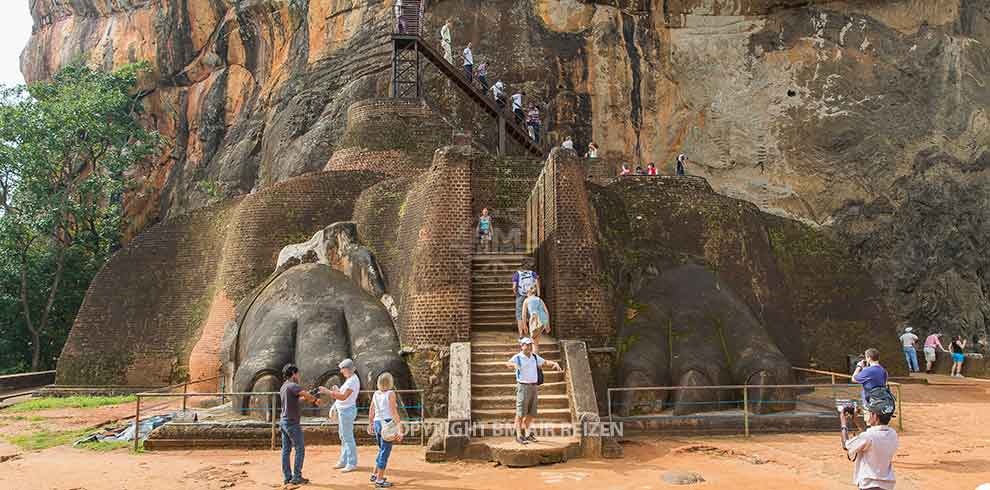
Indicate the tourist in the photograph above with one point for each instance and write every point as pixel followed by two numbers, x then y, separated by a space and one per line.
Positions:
pixel 485 232
pixel 517 105
pixel 931 342
pixel 527 365
pixel 384 411
pixel 957 346
pixel 469 63
pixel 679 166
pixel 639 170
pixel 568 143
pixel 533 123
pixel 873 449
pixel 651 169
pixel 482 75
pixel 535 315
pixel 522 280
pixel 400 22
pixel 625 170
pixel 445 42
pixel 498 93
pixel 592 150
pixel 908 341
pixel 346 403
pixel 290 427
pixel 869 372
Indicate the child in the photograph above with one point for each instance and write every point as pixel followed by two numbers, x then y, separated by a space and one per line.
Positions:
pixel 485 231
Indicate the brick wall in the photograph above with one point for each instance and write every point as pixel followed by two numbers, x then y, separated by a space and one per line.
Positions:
pixel 563 233
pixel 503 185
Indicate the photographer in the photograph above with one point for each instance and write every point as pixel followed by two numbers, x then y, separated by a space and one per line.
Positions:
pixel 873 449
pixel 869 372
pixel 292 434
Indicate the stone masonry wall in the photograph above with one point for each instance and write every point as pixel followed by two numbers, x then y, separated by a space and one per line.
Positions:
pixel 563 232
pixel 503 185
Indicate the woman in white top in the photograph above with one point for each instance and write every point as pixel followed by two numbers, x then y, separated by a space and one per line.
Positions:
pixel 384 409
pixel 346 404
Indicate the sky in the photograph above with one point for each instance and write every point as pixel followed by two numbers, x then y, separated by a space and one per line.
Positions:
pixel 15 29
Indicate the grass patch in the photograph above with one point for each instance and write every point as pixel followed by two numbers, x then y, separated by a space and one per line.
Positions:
pixel 44 439
pixel 69 402
pixel 106 446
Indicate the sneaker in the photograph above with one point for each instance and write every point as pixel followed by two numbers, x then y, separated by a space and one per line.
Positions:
pixel 299 481
pixel 383 484
pixel 349 468
pixel 339 465
pixel 521 440
pixel 531 437
pixel 373 478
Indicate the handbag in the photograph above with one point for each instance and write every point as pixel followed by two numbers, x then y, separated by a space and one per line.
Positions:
pixel 391 430
pixel 334 416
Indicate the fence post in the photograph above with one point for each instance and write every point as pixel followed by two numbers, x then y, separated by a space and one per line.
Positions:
pixel 185 391
pixel 900 405
pixel 272 416
pixel 833 379
pixel 422 419
pixel 137 422
pixel 746 409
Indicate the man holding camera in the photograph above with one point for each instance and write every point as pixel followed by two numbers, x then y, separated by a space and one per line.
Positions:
pixel 869 372
pixel 873 449
pixel 289 425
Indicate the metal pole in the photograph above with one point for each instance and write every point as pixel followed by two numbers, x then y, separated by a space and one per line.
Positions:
pixel 746 410
pixel 185 397
pixel 422 419
pixel 609 396
pixel 137 422
pixel 900 414
pixel 272 415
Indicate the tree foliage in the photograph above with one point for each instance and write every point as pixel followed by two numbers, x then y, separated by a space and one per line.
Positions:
pixel 64 147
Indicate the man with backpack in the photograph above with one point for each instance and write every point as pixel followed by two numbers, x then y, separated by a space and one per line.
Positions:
pixel 522 280
pixel 528 378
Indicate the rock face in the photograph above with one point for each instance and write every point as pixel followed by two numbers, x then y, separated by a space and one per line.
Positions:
pixel 867 118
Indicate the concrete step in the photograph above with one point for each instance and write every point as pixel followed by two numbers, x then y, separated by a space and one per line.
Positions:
pixel 511 347
pixel 509 389
pixel 487 317
pixel 509 402
pixel 500 309
pixel 551 355
pixel 510 377
pixel 553 414
pixel 499 257
pixel 492 302
pixel 541 427
pixel 507 452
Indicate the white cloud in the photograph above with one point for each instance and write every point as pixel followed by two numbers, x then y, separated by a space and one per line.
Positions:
pixel 15 29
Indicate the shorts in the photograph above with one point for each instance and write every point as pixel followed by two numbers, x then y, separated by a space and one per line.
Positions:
pixel 957 357
pixel 930 354
pixel 526 400
pixel 485 235
pixel 519 304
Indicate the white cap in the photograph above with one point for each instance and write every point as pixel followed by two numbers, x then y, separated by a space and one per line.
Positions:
pixel 908 329
pixel 525 340
pixel 346 364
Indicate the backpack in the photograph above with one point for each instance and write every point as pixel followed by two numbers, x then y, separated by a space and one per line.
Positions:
pixel 883 397
pixel 527 279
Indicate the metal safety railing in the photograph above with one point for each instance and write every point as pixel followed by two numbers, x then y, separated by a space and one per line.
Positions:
pixel 800 399
pixel 272 410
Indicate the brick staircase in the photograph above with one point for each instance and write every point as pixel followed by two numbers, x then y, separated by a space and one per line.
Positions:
pixel 493 307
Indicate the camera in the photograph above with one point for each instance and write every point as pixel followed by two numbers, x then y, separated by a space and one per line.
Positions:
pixel 848 407
pixel 315 392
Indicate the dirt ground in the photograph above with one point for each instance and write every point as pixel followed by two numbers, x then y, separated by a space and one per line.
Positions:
pixel 945 446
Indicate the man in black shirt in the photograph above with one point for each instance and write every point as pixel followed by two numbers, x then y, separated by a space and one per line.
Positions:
pixel 292 434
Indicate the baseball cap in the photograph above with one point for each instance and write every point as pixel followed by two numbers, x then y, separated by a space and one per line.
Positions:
pixel 346 364
pixel 525 340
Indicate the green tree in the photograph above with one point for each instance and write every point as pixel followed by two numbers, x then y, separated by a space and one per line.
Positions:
pixel 64 147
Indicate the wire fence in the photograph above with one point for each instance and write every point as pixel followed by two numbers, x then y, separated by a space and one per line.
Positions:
pixel 734 409
pixel 252 408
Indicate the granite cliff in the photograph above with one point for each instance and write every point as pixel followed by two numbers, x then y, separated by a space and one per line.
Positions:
pixel 866 118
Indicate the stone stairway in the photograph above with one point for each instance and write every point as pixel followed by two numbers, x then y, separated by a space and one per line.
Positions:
pixel 493 307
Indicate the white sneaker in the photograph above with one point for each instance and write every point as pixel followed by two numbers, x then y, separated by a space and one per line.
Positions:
pixel 339 465
pixel 348 469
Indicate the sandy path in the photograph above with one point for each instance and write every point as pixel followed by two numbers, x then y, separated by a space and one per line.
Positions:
pixel 951 451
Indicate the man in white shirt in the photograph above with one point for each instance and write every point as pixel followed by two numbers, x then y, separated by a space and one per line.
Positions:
pixel 908 340
pixel 873 450
pixel 498 92
pixel 517 106
pixel 346 404
pixel 445 42
pixel 527 365
pixel 468 63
